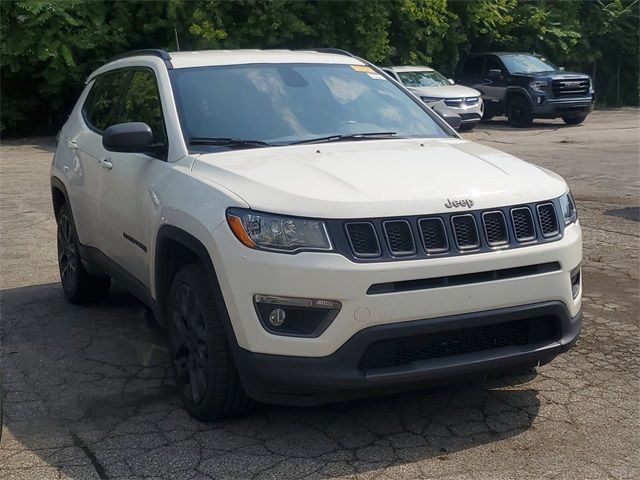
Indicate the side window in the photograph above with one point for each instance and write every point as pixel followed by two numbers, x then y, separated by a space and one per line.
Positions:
pixel 142 104
pixel 473 66
pixel 492 64
pixel 101 106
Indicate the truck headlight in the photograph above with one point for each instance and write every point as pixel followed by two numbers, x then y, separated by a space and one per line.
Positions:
pixel 276 232
pixel 538 85
pixel 569 212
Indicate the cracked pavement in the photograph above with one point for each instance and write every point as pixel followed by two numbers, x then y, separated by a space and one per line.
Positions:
pixel 88 391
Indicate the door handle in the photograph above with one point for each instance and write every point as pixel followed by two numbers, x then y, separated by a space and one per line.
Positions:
pixel 105 163
pixel 72 144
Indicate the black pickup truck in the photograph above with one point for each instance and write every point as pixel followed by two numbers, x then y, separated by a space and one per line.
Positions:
pixel 524 86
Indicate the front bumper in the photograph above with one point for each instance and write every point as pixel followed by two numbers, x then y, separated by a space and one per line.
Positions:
pixel 553 108
pixel 340 376
pixel 244 272
pixel 469 114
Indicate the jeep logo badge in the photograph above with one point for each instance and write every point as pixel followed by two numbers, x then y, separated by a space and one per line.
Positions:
pixel 465 202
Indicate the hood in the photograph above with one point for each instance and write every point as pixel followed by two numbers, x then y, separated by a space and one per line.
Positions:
pixel 445 91
pixel 554 75
pixel 377 178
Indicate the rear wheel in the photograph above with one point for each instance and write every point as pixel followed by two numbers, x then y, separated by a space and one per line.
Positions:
pixel 519 112
pixel 203 366
pixel 78 284
pixel 574 120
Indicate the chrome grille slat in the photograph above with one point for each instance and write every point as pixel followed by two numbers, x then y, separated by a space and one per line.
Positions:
pixel 548 219
pixel 363 239
pixel 399 237
pixel 523 224
pixel 465 231
pixel 434 235
pixel 495 228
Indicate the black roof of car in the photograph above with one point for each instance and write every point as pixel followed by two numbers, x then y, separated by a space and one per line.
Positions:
pixel 501 53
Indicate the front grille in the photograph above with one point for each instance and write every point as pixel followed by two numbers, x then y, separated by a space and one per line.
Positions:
pixel 523 224
pixel 363 239
pixel 578 87
pixel 465 231
pixel 453 102
pixel 396 352
pixel 400 238
pixel 434 236
pixel 474 231
pixel 548 219
pixel 495 227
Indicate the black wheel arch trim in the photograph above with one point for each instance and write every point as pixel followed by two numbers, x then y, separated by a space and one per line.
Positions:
pixel 187 240
pixel 517 91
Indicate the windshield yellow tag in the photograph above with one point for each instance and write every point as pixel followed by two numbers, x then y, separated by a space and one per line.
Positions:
pixel 362 68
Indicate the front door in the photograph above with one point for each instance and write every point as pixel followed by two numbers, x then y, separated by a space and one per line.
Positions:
pixel 128 201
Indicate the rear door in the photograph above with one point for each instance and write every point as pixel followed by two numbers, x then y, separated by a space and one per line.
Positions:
pixel 493 88
pixel 85 140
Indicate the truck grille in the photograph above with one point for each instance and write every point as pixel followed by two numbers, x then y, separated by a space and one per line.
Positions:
pixel 396 352
pixel 477 231
pixel 578 87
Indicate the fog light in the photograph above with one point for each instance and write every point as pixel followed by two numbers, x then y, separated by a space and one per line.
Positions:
pixel 294 316
pixel 277 317
pixel 576 275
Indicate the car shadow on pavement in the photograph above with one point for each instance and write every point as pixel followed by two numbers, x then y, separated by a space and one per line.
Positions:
pixel 538 125
pixel 88 391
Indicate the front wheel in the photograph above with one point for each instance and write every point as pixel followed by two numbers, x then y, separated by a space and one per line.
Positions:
pixel 574 120
pixel 78 284
pixel 201 358
pixel 519 112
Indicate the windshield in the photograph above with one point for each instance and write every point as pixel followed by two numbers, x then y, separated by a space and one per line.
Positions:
pixel 527 64
pixel 281 104
pixel 422 79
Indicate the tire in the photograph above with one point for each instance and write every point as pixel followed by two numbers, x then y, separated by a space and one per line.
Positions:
pixel 78 284
pixel 574 120
pixel 202 361
pixel 466 127
pixel 519 112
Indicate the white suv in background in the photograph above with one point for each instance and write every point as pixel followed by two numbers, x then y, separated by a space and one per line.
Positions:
pixel 307 230
pixel 440 93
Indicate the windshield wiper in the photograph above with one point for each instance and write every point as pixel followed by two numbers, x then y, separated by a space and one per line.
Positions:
pixel 350 136
pixel 227 142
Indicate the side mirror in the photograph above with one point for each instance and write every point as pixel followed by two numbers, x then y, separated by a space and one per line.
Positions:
pixel 131 137
pixel 451 81
pixel 494 73
pixel 453 119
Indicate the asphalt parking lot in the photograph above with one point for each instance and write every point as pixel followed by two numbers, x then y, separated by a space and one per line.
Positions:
pixel 88 391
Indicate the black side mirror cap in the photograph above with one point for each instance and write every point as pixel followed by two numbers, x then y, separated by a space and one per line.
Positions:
pixel 494 73
pixel 131 137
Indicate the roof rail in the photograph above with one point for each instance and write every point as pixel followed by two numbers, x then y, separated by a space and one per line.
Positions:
pixel 337 51
pixel 153 52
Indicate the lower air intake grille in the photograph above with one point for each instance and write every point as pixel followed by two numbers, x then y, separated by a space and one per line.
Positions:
pixel 433 234
pixel 466 232
pixel 548 219
pixel 399 237
pixel 363 239
pixel 496 228
pixel 523 224
pixel 396 352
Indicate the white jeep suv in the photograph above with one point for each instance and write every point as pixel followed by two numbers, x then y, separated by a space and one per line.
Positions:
pixel 308 230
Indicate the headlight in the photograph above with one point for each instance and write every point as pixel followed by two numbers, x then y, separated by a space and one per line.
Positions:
pixel 569 212
pixel 430 99
pixel 538 85
pixel 276 232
